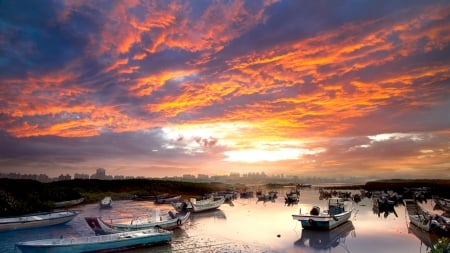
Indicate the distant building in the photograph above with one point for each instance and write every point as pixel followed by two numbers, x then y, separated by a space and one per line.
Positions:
pixel 80 176
pixel 100 173
pixel 64 177
pixel 188 177
pixel 202 177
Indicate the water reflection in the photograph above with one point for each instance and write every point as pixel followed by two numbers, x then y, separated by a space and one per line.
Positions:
pixel 383 207
pixel 323 240
pixel 251 226
pixel 212 214
pixel 426 239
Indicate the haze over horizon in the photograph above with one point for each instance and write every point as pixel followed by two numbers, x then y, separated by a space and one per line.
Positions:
pixel 165 88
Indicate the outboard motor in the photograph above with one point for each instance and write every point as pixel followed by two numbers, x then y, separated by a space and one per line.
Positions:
pixel 315 210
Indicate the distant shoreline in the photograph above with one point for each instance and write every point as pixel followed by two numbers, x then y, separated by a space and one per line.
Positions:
pixel 42 196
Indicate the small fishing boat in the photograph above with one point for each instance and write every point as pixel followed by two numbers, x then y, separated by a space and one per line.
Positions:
pixel 98 243
pixel 106 202
pixel 206 204
pixel 432 223
pixel 68 203
pixel 36 220
pixel 163 199
pixel 337 214
pixel 102 227
pixel 442 203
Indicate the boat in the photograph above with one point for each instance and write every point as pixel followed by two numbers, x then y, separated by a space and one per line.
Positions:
pixel 206 204
pixel 68 203
pixel 428 239
pixel 325 240
pixel 163 199
pixel 36 220
pixel 98 243
pixel 292 197
pixel 429 222
pixel 102 227
pixel 106 202
pixel 442 203
pixel 336 215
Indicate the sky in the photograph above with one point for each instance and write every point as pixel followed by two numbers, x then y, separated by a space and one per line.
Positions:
pixel 165 88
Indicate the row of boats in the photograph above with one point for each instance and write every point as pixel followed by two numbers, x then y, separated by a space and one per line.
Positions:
pixel 144 231
pixel 112 235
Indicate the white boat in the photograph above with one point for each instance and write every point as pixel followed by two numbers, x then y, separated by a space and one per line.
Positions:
pixel 337 214
pixel 36 220
pixel 101 227
pixel 426 221
pixel 98 243
pixel 106 202
pixel 206 204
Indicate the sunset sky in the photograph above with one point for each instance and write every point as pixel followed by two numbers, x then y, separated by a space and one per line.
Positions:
pixel 165 88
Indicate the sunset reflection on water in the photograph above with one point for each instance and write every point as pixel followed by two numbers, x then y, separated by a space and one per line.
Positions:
pixel 248 225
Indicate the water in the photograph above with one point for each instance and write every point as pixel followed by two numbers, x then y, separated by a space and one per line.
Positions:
pixel 251 226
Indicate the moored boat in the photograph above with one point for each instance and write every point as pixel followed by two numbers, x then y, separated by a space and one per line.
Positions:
pixel 98 243
pixel 163 199
pixel 106 202
pixel 337 214
pixel 426 221
pixel 36 220
pixel 101 227
pixel 206 204
pixel 68 203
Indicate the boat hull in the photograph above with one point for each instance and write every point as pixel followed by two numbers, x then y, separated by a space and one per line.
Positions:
pixel 36 220
pixel 322 222
pixel 206 206
pixel 117 242
pixel 101 228
pixel 68 203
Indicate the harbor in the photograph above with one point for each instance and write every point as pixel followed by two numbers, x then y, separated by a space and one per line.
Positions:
pixel 249 225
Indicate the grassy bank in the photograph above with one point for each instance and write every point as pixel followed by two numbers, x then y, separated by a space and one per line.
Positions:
pixel 28 196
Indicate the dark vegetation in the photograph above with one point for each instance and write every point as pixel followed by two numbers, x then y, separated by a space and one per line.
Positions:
pixel 19 196
pixel 439 187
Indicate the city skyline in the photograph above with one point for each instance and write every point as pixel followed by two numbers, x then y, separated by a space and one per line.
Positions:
pixel 154 89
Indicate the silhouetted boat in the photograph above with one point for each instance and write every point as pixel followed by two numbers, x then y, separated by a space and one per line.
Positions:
pixel 98 243
pixel 163 199
pixel 68 203
pixel 36 220
pixel 336 215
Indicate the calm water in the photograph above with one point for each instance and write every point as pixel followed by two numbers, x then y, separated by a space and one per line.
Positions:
pixel 251 226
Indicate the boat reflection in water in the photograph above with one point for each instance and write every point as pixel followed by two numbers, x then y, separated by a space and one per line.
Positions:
pixel 324 240
pixel 211 214
pixel 426 239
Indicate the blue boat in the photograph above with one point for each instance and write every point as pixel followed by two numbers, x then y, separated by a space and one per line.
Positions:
pixel 98 243
pixel 337 214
